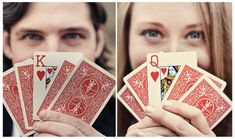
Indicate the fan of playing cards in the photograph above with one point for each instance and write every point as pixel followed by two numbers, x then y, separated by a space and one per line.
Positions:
pixel 174 76
pixel 64 82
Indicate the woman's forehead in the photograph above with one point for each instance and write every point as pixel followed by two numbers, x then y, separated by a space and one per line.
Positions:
pixel 184 13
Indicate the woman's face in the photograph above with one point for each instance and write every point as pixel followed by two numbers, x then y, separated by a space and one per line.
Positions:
pixel 53 27
pixel 168 27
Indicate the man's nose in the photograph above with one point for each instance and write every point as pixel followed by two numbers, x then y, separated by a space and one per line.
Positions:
pixel 52 43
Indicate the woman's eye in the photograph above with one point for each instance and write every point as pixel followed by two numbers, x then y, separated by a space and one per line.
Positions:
pixel 196 35
pixel 72 36
pixel 33 37
pixel 152 34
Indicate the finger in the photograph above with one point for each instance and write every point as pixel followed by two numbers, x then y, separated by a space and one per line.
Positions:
pixel 191 113
pixel 36 134
pixel 146 122
pixel 56 128
pixel 83 127
pixel 159 131
pixel 149 132
pixel 172 121
pixel 135 133
pixel 43 135
pixel 148 127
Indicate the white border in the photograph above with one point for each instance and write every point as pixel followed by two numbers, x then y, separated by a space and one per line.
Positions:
pixel 233 38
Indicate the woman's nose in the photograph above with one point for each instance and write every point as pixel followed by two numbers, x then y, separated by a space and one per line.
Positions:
pixel 174 45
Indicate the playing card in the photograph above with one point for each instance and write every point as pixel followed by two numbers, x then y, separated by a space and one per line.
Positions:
pixel 85 93
pixel 24 78
pixel 162 69
pixel 11 101
pixel 186 78
pixel 136 81
pixel 206 96
pixel 45 65
pixel 153 77
pixel 128 100
pixel 63 72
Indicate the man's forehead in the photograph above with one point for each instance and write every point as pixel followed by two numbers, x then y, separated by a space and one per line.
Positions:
pixel 56 16
pixel 58 8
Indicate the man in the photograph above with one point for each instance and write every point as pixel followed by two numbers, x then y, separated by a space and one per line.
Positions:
pixel 30 27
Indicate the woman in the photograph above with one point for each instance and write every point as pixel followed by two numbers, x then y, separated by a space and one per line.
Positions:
pixel 172 27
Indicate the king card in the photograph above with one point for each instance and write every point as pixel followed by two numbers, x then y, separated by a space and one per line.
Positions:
pixel 45 70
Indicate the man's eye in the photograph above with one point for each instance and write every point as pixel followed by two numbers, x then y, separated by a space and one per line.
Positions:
pixel 196 35
pixel 33 37
pixel 152 34
pixel 72 36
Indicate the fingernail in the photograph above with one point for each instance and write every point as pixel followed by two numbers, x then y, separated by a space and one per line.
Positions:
pixel 167 104
pixel 36 125
pixel 44 114
pixel 149 109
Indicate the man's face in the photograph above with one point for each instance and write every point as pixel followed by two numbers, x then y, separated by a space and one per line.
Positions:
pixel 53 27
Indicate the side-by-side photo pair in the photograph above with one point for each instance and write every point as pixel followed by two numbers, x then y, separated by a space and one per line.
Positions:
pixel 117 69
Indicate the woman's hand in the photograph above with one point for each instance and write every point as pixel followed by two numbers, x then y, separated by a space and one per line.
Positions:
pixel 171 115
pixel 148 127
pixel 58 124
pixel 43 135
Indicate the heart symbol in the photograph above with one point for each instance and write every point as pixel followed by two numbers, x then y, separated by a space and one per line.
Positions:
pixel 40 74
pixel 163 70
pixel 154 75
pixel 49 70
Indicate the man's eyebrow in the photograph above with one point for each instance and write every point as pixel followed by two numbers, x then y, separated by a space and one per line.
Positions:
pixel 68 29
pixel 27 30
pixel 75 29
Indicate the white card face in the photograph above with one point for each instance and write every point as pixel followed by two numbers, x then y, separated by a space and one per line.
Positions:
pixel 45 70
pixel 162 68
pixel 24 78
pixel 153 78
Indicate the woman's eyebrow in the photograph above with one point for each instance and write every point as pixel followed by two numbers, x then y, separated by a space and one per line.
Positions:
pixel 196 25
pixel 151 23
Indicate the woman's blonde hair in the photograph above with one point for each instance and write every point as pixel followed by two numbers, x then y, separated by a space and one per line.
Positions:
pixel 218 32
